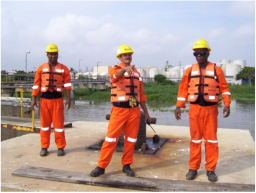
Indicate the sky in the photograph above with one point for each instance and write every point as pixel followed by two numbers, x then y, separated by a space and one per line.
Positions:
pixel 90 32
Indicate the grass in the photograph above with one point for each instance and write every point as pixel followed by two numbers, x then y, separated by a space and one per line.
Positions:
pixel 160 95
pixel 244 92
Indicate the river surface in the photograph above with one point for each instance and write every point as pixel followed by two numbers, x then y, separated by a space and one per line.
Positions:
pixel 242 114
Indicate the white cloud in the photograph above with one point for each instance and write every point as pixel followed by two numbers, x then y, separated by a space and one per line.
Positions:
pixel 95 36
pixel 217 32
pixel 246 8
pixel 244 32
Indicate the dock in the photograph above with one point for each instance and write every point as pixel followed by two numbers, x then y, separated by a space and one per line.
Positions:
pixel 23 169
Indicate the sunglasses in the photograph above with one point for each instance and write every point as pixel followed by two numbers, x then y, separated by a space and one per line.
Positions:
pixel 202 53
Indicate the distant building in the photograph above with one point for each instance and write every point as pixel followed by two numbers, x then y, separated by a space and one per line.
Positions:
pixel 231 68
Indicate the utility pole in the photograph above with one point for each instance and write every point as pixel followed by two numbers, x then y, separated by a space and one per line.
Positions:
pixel 26 67
pixel 79 65
pixel 97 69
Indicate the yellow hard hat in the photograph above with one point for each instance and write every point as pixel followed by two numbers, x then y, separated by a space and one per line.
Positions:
pixel 52 48
pixel 201 44
pixel 124 49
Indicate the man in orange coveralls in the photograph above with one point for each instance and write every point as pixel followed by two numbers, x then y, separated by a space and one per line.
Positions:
pixel 201 85
pixel 51 79
pixel 126 95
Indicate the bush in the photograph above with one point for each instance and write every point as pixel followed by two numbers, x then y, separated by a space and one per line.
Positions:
pixel 159 78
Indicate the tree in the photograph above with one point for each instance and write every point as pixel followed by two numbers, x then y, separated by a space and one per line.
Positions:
pixel 248 73
pixel 3 72
pixel 159 78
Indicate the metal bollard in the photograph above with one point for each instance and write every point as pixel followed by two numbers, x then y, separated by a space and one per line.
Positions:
pixel 141 139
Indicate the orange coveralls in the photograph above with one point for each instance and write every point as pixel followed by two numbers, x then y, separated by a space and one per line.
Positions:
pixel 129 118
pixel 51 111
pixel 203 122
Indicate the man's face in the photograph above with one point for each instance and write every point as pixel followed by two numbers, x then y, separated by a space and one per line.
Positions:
pixel 201 55
pixel 52 57
pixel 126 58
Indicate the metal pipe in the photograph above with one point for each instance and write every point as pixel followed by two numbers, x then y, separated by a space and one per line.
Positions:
pixel 21 102
pixel 33 120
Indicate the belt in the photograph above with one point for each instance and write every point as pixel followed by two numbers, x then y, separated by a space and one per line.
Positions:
pixel 123 104
pixel 51 95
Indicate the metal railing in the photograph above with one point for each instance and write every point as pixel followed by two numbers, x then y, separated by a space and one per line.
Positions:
pixel 20 89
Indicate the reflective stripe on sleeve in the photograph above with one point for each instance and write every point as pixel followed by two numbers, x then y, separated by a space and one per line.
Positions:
pixel 44 128
pixel 114 76
pixel 132 139
pixel 228 93
pixel 67 84
pixel 35 87
pixel 140 79
pixel 181 99
pixel 110 139
pixel 59 130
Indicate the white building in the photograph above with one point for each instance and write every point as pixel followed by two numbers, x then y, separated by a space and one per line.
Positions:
pixel 231 68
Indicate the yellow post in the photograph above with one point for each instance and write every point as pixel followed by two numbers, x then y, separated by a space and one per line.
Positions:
pixel 21 102
pixel 16 90
pixel 33 120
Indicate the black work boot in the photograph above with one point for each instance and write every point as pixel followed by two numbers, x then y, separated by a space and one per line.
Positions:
pixel 191 174
pixel 212 176
pixel 128 170
pixel 97 172
pixel 43 152
pixel 60 152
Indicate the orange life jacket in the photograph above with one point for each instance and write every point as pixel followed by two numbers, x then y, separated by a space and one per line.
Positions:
pixel 206 85
pixel 52 79
pixel 127 86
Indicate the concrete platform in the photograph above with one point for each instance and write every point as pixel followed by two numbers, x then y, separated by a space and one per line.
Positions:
pixel 236 159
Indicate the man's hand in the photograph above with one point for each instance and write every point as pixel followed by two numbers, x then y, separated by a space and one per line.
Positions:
pixel 226 112
pixel 177 113
pixel 68 103
pixel 33 103
pixel 147 118
pixel 129 69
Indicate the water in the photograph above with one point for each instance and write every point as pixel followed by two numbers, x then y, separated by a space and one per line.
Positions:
pixel 242 114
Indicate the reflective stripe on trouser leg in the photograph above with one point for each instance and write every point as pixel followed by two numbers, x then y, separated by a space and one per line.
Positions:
pixel 131 133
pixel 45 123
pixel 117 120
pixel 58 122
pixel 210 136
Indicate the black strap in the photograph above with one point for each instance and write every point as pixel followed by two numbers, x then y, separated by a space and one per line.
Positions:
pixel 123 104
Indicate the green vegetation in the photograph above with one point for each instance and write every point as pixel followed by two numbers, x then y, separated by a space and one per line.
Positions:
pixel 244 91
pixel 89 94
pixel 160 95
pixel 164 94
